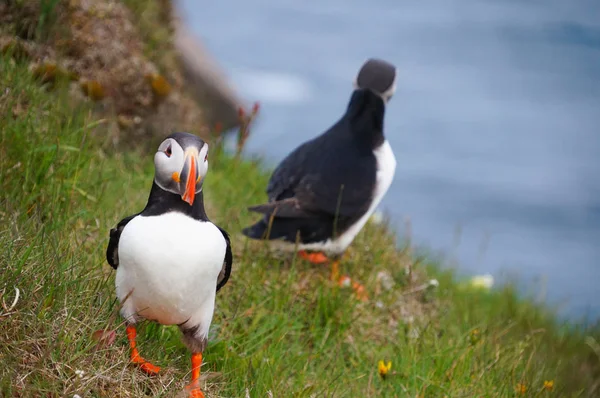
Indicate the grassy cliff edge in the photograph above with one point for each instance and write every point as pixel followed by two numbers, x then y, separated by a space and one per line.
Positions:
pixel 280 327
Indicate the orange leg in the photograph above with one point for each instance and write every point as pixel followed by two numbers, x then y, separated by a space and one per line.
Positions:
pixel 194 387
pixel 335 271
pixel 145 366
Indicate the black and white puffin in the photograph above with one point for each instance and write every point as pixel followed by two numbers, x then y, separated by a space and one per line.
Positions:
pixel 322 193
pixel 170 259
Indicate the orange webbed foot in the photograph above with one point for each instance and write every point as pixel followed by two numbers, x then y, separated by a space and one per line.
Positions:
pixel 359 290
pixel 315 257
pixel 194 391
pixel 148 368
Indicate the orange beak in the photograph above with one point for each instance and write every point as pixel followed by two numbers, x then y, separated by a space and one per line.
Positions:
pixel 191 169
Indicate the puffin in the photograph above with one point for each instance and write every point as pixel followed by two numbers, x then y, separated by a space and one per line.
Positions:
pixel 321 195
pixel 170 259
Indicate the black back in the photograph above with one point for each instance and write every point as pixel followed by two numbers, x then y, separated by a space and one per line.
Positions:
pixel 326 184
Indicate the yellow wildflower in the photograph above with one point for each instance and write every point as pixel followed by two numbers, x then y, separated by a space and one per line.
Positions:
pixel 160 85
pixel 93 89
pixel 549 385
pixel 521 388
pixel 384 368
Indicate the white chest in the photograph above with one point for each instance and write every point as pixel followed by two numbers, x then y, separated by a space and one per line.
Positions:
pixel 386 168
pixel 169 265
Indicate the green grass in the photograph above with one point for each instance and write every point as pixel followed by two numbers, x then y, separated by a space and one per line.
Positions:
pixel 47 17
pixel 280 325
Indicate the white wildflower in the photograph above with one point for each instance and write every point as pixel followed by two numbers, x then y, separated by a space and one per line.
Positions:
pixel 434 283
pixel 345 281
pixel 76 396
pixel 482 281
pixel 379 304
pixel 386 280
pixel 79 373
pixel 414 332
pixel 377 217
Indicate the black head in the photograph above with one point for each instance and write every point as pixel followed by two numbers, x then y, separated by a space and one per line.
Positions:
pixel 378 76
pixel 181 163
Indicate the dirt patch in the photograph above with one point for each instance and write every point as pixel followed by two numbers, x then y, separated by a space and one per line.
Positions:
pixel 96 44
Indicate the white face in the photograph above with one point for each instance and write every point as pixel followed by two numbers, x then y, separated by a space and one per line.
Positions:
pixel 389 93
pixel 180 171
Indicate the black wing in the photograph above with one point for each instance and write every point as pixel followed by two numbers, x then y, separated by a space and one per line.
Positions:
pixel 112 251
pixel 334 173
pixel 310 181
pixel 288 173
pixel 226 270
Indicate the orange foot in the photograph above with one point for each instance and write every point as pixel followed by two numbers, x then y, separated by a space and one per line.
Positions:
pixel 194 391
pixel 315 257
pixel 145 366
pixel 359 290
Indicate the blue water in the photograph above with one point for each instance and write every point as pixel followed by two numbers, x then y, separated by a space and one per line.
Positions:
pixel 495 124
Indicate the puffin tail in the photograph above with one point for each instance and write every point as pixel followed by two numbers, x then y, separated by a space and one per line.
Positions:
pixel 256 231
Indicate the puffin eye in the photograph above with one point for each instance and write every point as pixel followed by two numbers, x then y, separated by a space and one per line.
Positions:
pixel 168 151
pixel 206 157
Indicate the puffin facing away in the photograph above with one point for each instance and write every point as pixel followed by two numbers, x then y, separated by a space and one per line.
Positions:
pixel 322 193
pixel 170 259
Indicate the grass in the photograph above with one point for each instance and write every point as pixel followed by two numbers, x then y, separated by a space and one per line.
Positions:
pixel 47 17
pixel 280 326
